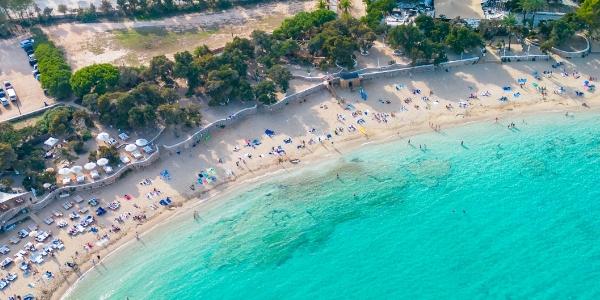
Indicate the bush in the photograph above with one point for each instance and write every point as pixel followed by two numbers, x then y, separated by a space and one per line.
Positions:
pixel 54 70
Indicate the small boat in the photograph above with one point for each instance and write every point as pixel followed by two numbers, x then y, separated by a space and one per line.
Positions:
pixel 295 161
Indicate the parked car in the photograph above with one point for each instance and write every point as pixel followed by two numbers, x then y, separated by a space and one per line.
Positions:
pixel 4 101
pixel 12 95
pixel 26 43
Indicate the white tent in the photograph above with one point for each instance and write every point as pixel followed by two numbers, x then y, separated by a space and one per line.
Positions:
pixel 77 169
pixel 141 142
pixel 89 166
pixel 102 162
pixel 103 136
pixel 46 185
pixel 51 142
pixel 130 148
pixel 64 171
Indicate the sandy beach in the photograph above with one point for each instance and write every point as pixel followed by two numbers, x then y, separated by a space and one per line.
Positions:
pixel 319 129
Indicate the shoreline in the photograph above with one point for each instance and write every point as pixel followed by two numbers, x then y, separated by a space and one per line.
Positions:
pixel 401 130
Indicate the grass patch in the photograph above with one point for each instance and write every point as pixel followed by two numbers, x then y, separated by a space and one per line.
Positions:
pixel 155 38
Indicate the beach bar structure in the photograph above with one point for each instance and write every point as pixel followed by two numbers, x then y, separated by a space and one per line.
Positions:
pixel 13 208
pixel 350 79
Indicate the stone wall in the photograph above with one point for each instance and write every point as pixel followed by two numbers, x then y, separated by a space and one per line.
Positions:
pixel 197 136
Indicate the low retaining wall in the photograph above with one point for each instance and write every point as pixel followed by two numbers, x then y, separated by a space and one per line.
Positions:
pixel 197 136
pixel 416 69
pixel 568 54
pixel 33 113
pixel 296 97
pixel 509 58
pixel 96 184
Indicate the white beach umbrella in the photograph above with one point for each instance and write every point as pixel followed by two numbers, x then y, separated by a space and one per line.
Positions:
pixel 77 169
pixel 33 233
pixel 89 166
pixel 46 185
pixel 102 162
pixel 130 147
pixel 103 136
pixel 64 171
pixel 49 170
pixel 141 142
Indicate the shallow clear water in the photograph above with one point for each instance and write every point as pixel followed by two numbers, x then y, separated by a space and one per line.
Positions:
pixel 512 214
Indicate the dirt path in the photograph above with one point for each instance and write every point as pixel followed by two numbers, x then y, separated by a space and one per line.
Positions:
pixel 134 43
pixel 359 8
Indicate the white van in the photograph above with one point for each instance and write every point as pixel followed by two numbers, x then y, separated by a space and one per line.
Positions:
pixel 11 94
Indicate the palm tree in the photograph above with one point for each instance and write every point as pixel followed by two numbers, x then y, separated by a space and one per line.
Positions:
pixel 510 22
pixel 344 6
pixel 531 6
pixel 321 4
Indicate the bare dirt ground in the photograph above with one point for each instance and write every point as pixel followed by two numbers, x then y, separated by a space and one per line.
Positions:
pixel 15 68
pixel 463 8
pixel 134 43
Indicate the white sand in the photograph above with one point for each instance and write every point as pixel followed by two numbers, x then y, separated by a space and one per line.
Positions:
pixel 294 122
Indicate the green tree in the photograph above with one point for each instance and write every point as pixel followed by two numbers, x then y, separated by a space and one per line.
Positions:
pixel 510 22
pixel 265 92
pixel 345 6
pixel 321 4
pixel 96 78
pixel 281 76
pixel 531 6
pixel 161 68
pixel 589 12
pixel 55 71
pixel 462 38
pixel 110 153
pixel 185 67
pixel 7 156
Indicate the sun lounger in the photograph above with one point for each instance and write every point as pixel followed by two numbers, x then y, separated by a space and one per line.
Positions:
pixel 14 240
pixel 67 205
pixel 77 198
pixel 94 174
pixel 108 169
pixel 66 181
pixel 48 220
pixel 4 249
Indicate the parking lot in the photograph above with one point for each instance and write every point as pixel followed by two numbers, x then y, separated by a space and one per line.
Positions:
pixel 14 67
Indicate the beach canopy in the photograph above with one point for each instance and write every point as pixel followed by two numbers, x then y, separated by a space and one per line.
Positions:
pixel 51 142
pixel 130 147
pixel 33 233
pixel 46 185
pixel 102 162
pixel 39 246
pixel 269 132
pixel 103 136
pixel 64 171
pixel 89 166
pixel 77 169
pixel 141 142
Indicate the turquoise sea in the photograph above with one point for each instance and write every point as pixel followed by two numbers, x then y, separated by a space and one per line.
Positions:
pixel 512 214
